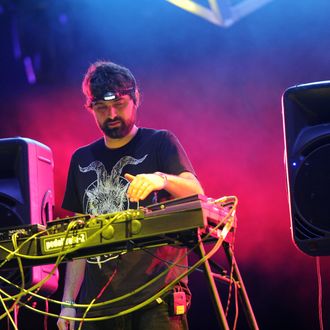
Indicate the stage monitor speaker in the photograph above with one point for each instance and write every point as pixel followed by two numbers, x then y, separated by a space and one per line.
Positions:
pixel 27 197
pixel 306 122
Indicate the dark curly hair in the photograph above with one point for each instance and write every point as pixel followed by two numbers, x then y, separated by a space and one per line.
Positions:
pixel 104 76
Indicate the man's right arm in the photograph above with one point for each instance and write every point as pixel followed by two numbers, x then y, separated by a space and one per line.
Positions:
pixel 74 276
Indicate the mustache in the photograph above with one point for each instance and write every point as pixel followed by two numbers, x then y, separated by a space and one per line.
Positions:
pixel 109 121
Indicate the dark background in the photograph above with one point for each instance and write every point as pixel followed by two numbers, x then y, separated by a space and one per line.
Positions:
pixel 218 89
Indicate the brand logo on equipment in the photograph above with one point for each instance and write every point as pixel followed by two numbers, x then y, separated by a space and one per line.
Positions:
pixel 55 244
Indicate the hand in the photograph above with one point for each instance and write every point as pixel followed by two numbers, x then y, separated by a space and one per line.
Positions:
pixel 63 324
pixel 142 185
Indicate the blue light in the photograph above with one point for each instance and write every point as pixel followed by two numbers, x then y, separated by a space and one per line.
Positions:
pixel 294 164
pixel 63 19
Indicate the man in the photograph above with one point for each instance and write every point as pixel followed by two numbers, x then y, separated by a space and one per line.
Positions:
pixel 127 168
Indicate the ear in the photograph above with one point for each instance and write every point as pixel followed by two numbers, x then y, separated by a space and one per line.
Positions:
pixel 137 95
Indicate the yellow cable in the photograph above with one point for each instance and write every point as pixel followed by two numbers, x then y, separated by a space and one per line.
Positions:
pixel 81 245
pixel 153 280
pixel 165 289
pixel 152 298
pixel 85 313
pixel 7 312
pixel 141 288
pixel 60 254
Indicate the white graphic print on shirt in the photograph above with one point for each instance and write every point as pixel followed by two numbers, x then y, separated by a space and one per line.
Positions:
pixel 107 193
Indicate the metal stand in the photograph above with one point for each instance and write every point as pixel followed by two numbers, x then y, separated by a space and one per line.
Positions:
pixel 244 299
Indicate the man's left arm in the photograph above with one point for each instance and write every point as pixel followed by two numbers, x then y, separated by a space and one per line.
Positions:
pixel 181 185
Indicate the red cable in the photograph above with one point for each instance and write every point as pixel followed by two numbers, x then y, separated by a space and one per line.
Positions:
pixel 319 284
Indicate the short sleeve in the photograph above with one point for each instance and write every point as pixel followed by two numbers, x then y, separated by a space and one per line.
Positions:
pixel 173 158
pixel 71 197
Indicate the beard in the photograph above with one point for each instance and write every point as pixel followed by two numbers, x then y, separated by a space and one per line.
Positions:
pixel 119 131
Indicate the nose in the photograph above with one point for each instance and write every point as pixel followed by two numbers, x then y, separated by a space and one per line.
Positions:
pixel 112 112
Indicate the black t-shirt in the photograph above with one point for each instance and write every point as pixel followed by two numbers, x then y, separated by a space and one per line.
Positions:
pixel 96 185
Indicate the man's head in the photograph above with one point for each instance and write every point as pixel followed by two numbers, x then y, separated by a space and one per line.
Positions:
pixel 103 78
pixel 112 94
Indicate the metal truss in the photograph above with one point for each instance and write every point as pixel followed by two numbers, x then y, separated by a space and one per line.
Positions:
pixel 221 12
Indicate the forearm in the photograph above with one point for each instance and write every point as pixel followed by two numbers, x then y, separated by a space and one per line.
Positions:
pixel 182 185
pixel 74 276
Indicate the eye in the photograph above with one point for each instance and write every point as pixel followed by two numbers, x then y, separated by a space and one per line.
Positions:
pixel 100 107
pixel 120 104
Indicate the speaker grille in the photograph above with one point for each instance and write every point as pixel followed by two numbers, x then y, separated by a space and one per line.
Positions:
pixel 304 231
pixel 312 188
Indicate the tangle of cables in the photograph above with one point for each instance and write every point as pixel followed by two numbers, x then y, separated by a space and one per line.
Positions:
pixel 9 301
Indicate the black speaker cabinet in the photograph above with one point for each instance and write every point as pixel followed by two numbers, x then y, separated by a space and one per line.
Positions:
pixel 26 196
pixel 306 122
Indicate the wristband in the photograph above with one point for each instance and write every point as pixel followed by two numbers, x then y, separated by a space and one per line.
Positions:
pixel 163 175
pixel 70 302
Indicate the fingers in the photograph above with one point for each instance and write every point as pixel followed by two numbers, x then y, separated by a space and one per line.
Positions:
pixel 142 185
pixel 138 189
pixel 144 192
pixel 62 324
pixel 71 325
pixel 129 177
pixel 65 324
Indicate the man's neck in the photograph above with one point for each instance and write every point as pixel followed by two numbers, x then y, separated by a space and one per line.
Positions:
pixel 118 143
